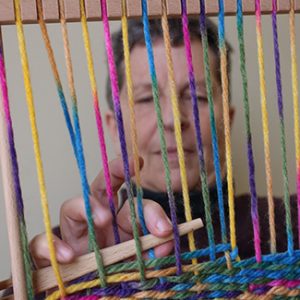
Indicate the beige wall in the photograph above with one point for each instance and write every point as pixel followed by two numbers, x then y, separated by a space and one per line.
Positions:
pixel 61 174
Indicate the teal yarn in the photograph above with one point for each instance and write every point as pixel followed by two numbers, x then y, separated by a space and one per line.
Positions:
pixel 212 121
pixel 203 174
pixel 160 126
pixel 86 192
pixel 289 229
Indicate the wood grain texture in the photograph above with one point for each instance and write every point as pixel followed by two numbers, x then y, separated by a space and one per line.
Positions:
pixel 50 11
pixel 154 8
pixel 193 7
pixel 114 9
pixel 134 8
pixel 93 10
pixel 72 10
pixel 283 6
pixel 28 11
pixel 297 5
pixel 173 7
pixel 44 279
pixel 7 15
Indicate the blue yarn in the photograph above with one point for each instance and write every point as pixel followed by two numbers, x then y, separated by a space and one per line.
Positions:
pixel 145 230
pixel 152 70
pixel 68 121
pixel 216 157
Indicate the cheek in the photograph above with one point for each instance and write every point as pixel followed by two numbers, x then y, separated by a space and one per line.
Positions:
pixel 205 125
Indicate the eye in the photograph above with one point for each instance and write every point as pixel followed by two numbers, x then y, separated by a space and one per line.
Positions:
pixel 144 100
pixel 202 99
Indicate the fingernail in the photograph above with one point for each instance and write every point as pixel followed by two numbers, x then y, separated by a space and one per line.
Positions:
pixel 63 253
pixel 164 225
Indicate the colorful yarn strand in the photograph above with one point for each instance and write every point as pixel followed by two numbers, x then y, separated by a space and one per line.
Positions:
pixel 120 126
pixel 57 80
pixel 226 117
pixel 160 126
pixel 36 146
pixel 289 230
pixel 294 75
pixel 212 121
pixel 79 149
pixel 203 175
pixel 177 124
pixel 16 177
pixel 251 164
pixel 99 122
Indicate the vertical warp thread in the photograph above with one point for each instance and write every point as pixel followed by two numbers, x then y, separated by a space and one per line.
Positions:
pixel 16 177
pixel 251 164
pixel 203 175
pixel 226 117
pixel 133 128
pixel 177 124
pixel 133 132
pixel 36 146
pixel 91 69
pixel 53 64
pixel 120 125
pixel 160 126
pixel 294 74
pixel 212 121
pixel 79 149
pixel 289 231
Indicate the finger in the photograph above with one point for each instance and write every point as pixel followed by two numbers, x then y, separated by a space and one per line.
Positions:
pixel 41 255
pixel 116 168
pixel 157 222
pixel 73 218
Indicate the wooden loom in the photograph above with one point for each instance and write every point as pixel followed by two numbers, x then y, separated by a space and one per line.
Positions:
pixel 44 279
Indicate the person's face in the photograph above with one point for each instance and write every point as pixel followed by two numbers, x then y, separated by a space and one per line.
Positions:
pixel 153 174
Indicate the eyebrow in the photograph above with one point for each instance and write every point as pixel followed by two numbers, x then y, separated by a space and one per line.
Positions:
pixel 199 84
pixel 144 86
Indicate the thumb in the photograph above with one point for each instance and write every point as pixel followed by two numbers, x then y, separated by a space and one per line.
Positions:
pixel 156 220
pixel 117 176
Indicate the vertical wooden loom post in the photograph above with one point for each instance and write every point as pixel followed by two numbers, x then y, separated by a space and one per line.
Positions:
pixel 17 265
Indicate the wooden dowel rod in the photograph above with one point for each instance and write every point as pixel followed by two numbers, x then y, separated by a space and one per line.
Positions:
pixel 134 9
pixel 13 228
pixel 44 279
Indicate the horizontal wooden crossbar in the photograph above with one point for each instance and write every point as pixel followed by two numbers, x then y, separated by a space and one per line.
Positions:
pixel 44 279
pixel 134 9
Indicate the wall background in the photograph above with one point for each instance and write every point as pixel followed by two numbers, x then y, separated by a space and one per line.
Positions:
pixel 60 171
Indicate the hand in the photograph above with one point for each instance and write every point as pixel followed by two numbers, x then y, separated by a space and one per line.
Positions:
pixel 73 222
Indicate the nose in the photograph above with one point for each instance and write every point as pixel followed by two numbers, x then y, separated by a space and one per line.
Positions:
pixel 168 115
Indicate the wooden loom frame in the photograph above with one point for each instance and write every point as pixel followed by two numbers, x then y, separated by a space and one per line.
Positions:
pixel 44 279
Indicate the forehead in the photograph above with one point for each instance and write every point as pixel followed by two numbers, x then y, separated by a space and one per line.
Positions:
pixel 140 67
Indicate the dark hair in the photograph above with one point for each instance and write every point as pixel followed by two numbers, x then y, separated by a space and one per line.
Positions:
pixel 136 37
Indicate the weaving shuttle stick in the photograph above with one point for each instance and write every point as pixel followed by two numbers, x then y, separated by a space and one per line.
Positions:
pixel 44 279
pixel 13 228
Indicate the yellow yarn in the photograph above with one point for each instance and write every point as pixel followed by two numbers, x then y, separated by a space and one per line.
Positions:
pixel 133 131
pixel 87 46
pixel 266 135
pixel 177 125
pixel 37 152
pixel 125 277
pixel 226 117
pixel 295 84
